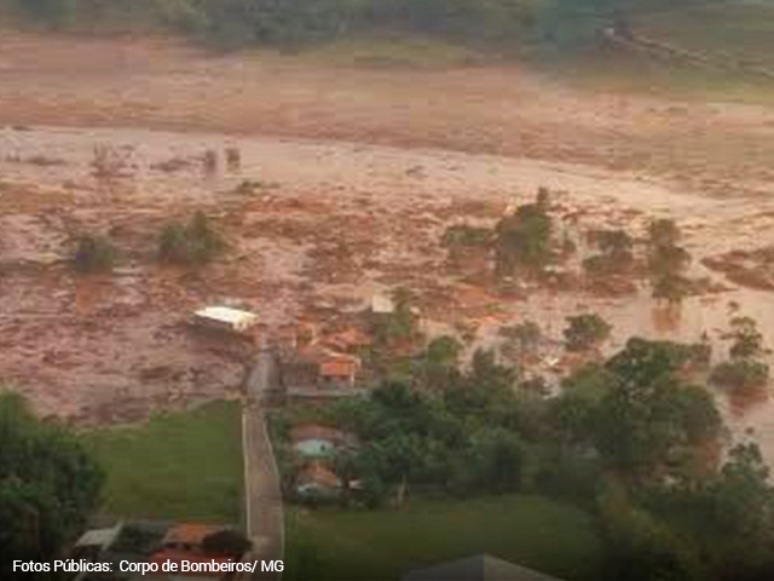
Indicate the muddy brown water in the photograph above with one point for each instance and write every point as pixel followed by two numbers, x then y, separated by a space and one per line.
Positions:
pixel 163 173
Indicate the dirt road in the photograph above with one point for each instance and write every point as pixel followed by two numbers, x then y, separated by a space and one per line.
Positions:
pixel 264 513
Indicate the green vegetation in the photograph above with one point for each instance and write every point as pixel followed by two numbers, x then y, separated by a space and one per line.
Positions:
pixel 533 531
pixel 585 332
pixel 632 441
pixel 523 239
pixel 401 324
pixel 48 485
pixel 94 254
pixel 744 370
pixel 192 245
pixel 177 465
pixel 667 261
pixel 740 374
pixel 615 252
pixel 293 22
pixel 466 235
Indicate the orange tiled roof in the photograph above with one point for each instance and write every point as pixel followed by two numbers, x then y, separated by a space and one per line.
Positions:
pixel 338 368
pixel 351 337
pixel 189 533
pixel 318 473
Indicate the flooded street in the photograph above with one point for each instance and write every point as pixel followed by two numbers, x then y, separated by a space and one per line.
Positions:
pixel 312 223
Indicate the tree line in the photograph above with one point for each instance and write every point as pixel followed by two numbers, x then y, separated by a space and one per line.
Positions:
pixel 636 440
pixel 293 22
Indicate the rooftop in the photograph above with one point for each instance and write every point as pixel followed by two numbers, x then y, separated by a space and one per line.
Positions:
pixel 317 432
pixel 318 473
pixel 227 315
pixel 189 533
pixel 336 367
pixel 382 304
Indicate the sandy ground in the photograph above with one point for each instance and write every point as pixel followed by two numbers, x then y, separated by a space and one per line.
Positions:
pixel 357 173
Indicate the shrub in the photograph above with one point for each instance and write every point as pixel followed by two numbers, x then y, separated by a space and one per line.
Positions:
pixel 465 235
pixel 585 331
pixel 740 374
pixel 194 244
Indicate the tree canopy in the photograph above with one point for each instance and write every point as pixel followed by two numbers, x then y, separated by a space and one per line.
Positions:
pixel 48 485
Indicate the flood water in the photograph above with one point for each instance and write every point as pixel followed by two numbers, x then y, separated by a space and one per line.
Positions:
pixel 58 159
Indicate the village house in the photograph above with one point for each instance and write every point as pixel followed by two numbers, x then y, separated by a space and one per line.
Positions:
pixel 351 340
pixel 318 370
pixel 382 305
pixel 338 372
pixel 318 441
pixel 188 536
pixel 317 481
pixel 158 542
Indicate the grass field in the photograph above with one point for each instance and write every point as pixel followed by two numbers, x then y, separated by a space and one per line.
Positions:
pixel 722 33
pixel 178 465
pixel 532 531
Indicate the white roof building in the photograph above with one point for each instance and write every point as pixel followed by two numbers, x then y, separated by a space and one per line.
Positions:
pixel 226 318
pixel 382 304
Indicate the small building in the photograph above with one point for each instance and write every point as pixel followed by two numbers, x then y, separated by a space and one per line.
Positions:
pixel 477 568
pixel 338 372
pixel 318 441
pixel 173 556
pixel 95 542
pixel 350 340
pixel 318 368
pixel 226 319
pixel 382 305
pixel 317 481
pixel 188 536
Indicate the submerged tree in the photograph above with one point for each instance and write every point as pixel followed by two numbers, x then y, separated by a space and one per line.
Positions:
pixel 93 254
pixel 667 261
pixel 744 370
pixel 196 243
pixel 586 331
pixel 523 239
pixel 615 252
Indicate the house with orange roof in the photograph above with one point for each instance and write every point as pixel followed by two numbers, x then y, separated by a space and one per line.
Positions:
pixel 316 480
pixel 351 340
pixel 188 536
pixel 316 367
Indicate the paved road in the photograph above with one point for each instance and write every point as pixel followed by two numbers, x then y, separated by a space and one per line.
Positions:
pixel 265 521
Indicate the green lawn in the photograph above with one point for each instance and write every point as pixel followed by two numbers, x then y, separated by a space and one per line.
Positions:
pixel 184 465
pixel 532 531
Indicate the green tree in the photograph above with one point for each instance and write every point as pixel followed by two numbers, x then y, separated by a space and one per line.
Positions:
pixel 615 252
pixel 439 363
pixel 523 239
pixel 521 340
pixel 740 374
pixel 585 331
pixel 48 485
pixel 492 462
pixel 748 341
pixel 744 498
pixel 642 546
pixel 667 261
pixel 649 415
